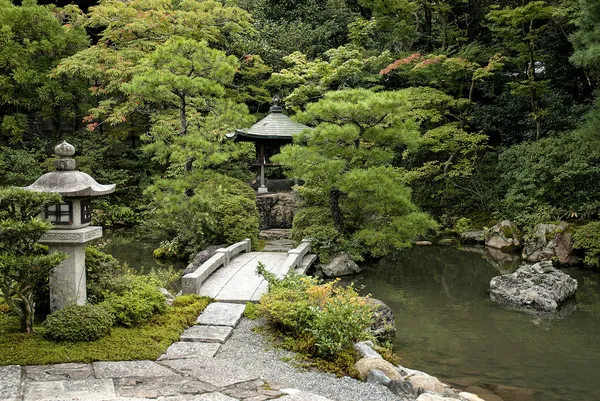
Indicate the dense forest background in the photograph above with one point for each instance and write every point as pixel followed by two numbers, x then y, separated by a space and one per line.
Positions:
pixel 478 109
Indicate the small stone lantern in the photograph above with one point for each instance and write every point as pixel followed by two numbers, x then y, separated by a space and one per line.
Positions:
pixel 71 220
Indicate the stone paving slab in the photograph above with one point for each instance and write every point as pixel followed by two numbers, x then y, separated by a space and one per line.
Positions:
pixel 297 395
pixel 10 382
pixel 60 371
pixel 186 350
pixel 107 370
pixel 86 389
pixel 154 387
pixel 214 397
pixel 219 373
pixel 207 334
pixel 221 314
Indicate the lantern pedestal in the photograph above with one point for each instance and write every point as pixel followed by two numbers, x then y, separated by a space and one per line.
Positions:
pixel 67 281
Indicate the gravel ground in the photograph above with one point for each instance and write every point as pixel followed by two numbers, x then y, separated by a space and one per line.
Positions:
pixel 250 349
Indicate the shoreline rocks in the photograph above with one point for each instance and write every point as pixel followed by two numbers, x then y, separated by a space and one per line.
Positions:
pixel 341 265
pixel 550 242
pixel 504 236
pixel 535 289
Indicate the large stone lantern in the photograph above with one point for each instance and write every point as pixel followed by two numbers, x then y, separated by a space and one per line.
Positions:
pixel 71 220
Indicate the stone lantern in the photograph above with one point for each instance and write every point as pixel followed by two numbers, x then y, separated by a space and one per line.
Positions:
pixel 71 220
pixel 268 136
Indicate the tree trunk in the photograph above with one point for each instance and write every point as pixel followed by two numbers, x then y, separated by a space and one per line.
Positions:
pixel 535 107
pixel 336 212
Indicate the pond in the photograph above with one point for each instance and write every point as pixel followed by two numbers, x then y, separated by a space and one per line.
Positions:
pixel 126 246
pixel 448 327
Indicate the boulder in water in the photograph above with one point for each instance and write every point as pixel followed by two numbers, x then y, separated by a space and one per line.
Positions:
pixel 537 289
pixel 341 265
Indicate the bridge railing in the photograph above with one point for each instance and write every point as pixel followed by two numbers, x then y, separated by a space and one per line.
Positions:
pixel 294 257
pixel 191 282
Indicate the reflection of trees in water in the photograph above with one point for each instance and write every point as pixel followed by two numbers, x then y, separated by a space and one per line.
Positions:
pixel 588 294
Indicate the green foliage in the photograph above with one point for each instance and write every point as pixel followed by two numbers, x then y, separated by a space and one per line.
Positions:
pixel 462 225
pixel 186 300
pixel 587 237
pixel 220 210
pixel 102 270
pixel 251 311
pixel 147 341
pixel 586 40
pixel 348 162
pixel 23 262
pixel 133 300
pixel 33 39
pixel 326 319
pixel 78 323
pixel 554 180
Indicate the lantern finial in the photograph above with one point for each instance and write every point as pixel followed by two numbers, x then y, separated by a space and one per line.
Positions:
pixel 65 151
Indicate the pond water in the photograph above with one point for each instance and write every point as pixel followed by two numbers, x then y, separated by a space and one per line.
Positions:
pixel 127 247
pixel 448 327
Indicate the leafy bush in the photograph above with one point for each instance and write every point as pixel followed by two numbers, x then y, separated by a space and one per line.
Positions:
pixel 102 270
pixel 587 237
pixel 251 311
pixel 323 319
pixel 188 213
pixel 79 323
pixel 185 300
pixel 554 180
pixel 462 225
pixel 134 299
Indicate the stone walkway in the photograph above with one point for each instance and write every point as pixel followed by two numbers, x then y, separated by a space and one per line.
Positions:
pixel 187 371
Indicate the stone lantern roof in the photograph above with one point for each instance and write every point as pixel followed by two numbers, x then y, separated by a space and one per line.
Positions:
pixel 276 125
pixel 66 180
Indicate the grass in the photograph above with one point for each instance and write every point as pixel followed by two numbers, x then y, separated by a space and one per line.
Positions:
pixel 147 341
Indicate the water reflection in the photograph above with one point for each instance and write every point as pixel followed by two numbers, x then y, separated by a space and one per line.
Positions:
pixel 447 326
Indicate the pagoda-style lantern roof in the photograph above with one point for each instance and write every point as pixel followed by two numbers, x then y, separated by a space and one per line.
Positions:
pixel 275 125
pixel 66 180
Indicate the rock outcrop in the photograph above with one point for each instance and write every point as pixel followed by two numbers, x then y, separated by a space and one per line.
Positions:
pixel 472 236
pixel 276 210
pixel 364 365
pixel 550 242
pixel 504 235
pixel 537 289
pixel 341 265
pixel 384 325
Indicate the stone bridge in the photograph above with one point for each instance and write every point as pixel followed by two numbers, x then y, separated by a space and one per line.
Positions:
pixel 230 275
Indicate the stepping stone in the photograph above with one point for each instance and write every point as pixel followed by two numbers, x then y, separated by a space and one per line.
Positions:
pixel 60 371
pixel 154 387
pixel 86 389
pixel 108 370
pixel 207 334
pixel 10 382
pixel 214 397
pixel 182 350
pixel 218 372
pixel 221 314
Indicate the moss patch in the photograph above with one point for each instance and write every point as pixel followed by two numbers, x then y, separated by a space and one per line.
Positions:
pixel 148 341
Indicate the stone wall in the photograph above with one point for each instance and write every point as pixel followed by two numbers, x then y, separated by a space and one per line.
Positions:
pixel 276 210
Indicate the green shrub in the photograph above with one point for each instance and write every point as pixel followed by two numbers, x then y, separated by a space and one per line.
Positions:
pixel 587 237
pixel 323 319
pixel 78 323
pixel 462 225
pixel 251 312
pixel 102 269
pixel 185 300
pixel 133 300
